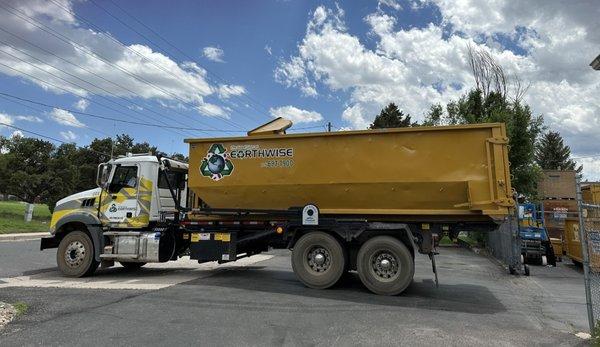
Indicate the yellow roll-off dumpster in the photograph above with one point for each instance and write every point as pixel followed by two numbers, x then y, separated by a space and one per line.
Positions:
pixel 453 173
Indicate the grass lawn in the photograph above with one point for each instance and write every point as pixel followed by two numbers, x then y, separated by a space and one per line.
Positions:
pixel 12 218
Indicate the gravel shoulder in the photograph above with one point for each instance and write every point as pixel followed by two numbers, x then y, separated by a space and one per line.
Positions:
pixel 7 313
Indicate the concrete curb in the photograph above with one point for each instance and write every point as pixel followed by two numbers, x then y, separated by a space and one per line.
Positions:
pixel 22 236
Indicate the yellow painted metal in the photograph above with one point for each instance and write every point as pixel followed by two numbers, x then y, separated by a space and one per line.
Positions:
pixel 276 126
pixel 557 246
pixel 572 240
pixel 591 193
pixel 454 172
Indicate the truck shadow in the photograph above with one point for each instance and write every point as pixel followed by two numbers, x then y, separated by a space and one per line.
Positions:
pixel 423 294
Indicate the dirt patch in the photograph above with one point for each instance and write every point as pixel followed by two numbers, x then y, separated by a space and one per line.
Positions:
pixel 7 314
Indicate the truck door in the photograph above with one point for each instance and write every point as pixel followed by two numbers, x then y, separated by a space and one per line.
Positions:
pixel 120 203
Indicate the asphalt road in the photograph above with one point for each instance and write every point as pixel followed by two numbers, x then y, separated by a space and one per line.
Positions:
pixel 262 303
pixel 24 257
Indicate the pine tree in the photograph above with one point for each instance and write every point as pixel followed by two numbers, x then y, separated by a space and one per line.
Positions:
pixel 552 154
pixel 391 117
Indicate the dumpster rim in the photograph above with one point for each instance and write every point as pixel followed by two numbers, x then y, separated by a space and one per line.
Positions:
pixel 349 132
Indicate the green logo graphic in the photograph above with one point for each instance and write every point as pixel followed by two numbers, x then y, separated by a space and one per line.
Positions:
pixel 216 164
pixel 113 208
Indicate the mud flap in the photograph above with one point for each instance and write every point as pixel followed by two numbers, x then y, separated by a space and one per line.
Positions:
pixel 434 268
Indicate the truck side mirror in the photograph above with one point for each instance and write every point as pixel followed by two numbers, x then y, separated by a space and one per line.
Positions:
pixel 103 175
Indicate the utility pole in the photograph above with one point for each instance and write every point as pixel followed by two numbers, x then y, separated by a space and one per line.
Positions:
pixel 328 127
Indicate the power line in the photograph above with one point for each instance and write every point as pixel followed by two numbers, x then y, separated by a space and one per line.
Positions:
pixel 51 138
pixel 88 52
pixel 105 117
pixel 64 89
pixel 68 91
pixel 70 82
pixel 65 120
pixel 90 72
pixel 171 45
pixel 141 56
pixel 97 56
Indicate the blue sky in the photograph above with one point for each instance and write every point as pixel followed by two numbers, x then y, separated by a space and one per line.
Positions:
pixel 239 63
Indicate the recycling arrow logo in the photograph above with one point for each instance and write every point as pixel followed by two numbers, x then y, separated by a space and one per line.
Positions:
pixel 216 164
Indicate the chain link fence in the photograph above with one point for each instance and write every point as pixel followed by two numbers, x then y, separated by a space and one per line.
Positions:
pixel 504 244
pixel 589 234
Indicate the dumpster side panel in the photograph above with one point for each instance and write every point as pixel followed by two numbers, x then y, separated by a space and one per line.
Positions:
pixel 572 240
pixel 591 194
pixel 555 213
pixel 416 171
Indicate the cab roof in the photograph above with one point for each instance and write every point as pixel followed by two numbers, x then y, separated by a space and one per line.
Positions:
pixel 136 158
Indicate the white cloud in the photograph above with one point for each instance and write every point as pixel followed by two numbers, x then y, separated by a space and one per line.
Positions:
pixel 66 118
pixel 389 3
pixel 5 119
pixel 68 135
pixel 295 114
pixel 355 115
pixel 129 71
pixel 227 90
pixel 10 120
pixel 268 50
pixel 547 44
pixel 212 110
pixel 81 104
pixel 214 54
pixel 33 119
pixel 293 73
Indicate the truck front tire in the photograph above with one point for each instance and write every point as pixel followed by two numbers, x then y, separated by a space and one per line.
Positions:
pixel 318 260
pixel 75 255
pixel 385 265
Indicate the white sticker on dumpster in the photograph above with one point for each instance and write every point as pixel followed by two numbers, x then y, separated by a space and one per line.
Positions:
pixel 310 215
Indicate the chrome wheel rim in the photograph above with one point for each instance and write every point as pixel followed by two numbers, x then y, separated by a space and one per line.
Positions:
pixel 75 254
pixel 385 265
pixel 318 259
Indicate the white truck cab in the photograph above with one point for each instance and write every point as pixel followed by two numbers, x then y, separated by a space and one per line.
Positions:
pixel 119 220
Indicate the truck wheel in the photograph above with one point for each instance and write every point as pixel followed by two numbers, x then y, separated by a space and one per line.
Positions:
pixel 385 266
pixel 129 265
pixel 318 260
pixel 75 255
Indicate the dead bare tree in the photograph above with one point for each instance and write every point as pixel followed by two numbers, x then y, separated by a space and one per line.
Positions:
pixel 489 75
pixel 518 89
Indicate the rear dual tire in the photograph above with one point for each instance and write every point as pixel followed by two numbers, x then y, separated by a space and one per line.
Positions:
pixel 318 260
pixel 384 264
